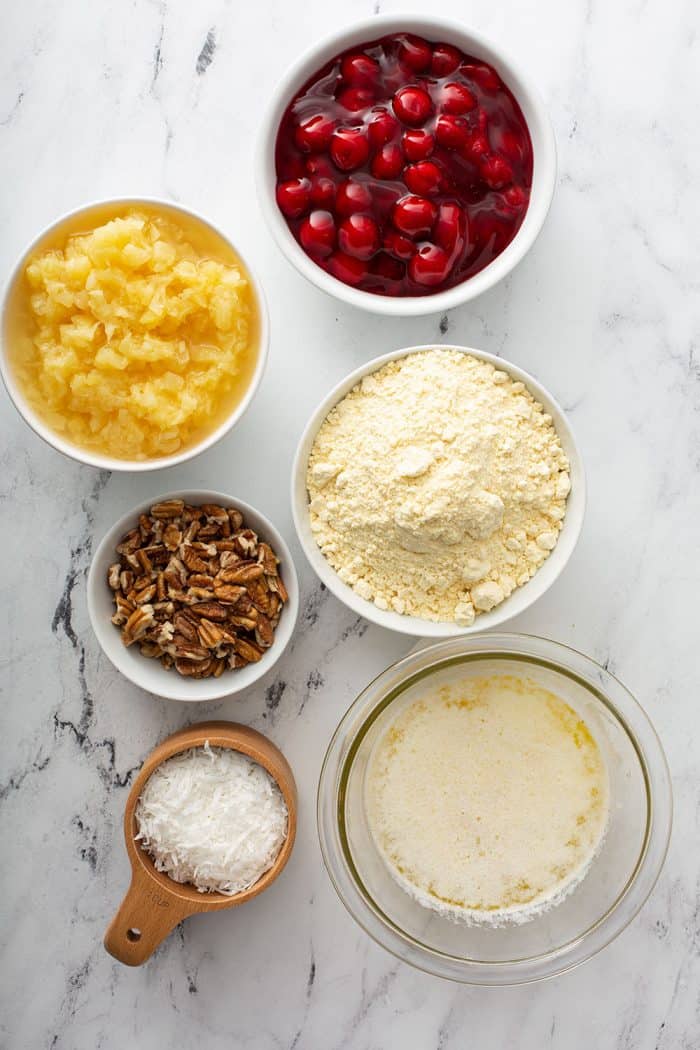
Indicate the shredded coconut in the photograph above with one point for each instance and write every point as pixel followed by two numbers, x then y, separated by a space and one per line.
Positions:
pixel 437 486
pixel 212 817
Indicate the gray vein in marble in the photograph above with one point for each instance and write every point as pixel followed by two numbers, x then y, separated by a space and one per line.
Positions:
pixel 6 121
pixel 206 55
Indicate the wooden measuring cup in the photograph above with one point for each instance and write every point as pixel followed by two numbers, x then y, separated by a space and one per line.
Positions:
pixel 154 903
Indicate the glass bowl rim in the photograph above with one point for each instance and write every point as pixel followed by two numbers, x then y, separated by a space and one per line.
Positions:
pixel 378 695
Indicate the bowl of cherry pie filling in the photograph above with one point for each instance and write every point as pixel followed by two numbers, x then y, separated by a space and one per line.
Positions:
pixel 405 165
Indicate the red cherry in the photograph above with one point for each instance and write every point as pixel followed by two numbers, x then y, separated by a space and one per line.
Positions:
pixel 355 99
pixel 429 266
pixel 317 233
pixel 358 236
pixel 346 268
pixel 445 60
pixel 294 166
pixel 319 166
pixel 359 69
pixel 481 74
pixel 314 134
pixel 449 226
pixel 511 146
pixel 516 196
pixel 390 269
pixel 323 192
pixel 382 128
pixel 417 144
pixel 456 98
pixel 424 177
pixel 475 147
pixel 412 105
pixel 294 197
pixel 452 132
pixel 490 232
pixel 413 215
pixel 388 163
pixel 352 196
pixel 396 244
pixel 414 53
pixel 496 172
pixel 349 148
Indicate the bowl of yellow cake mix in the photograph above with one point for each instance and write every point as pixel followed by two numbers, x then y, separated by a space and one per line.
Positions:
pixel 494 811
pixel 133 334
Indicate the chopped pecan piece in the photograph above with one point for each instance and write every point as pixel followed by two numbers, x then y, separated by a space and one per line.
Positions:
pixel 192 560
pixel 244 622
pixel 190 651
pixel 275 584
pixel 214 512
pixel 172 508
pixel 124 610
pixel 145 595
pixel 243 573
pixel 184 625
pixel 210 634
pixel 236 518
pixel 201 593
pixel 130 543
pixel 228 556
pixel 247 650
pixel 268 559
pixel 150 649
pixel 200 579
pixel 126 580
pixel 212 611
pixel 263 632
pixel 172 537
pixel 228 594
pixel 188 668
pixel 144 561
pixel 137 624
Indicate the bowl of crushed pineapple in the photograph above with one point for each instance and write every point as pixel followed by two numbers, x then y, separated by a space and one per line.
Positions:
pixel 133 334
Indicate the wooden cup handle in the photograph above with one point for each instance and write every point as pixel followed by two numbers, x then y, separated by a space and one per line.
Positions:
pixel 145 918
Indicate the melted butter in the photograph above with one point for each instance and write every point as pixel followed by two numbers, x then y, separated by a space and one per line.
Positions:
pixel 487 796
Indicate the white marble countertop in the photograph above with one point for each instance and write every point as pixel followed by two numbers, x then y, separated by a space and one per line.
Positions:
pixel 163 98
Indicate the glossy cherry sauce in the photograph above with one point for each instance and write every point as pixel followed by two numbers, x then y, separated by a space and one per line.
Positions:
pixel 404 167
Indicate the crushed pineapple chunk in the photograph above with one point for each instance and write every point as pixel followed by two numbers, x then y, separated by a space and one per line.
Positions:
pixel 140 343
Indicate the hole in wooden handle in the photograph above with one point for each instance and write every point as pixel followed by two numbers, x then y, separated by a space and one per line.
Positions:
pixel 144 919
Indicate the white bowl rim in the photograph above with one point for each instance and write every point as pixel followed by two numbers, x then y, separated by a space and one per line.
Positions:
pixel 537 119
pixel 175 686
pixel 523 597
pixel 93 459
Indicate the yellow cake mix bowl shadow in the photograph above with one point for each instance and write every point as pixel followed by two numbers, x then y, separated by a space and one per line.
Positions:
pixel 132 344
pixel 495 941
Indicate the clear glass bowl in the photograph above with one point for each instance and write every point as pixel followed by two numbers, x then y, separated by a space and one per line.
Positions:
pixel 620 878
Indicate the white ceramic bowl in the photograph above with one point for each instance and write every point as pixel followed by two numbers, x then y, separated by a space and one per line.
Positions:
pixel 94 459
pixel 522 597
pixel 435 28
pixel 150 674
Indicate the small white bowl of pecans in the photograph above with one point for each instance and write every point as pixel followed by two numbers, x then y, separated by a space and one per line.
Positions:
pixel 193 596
